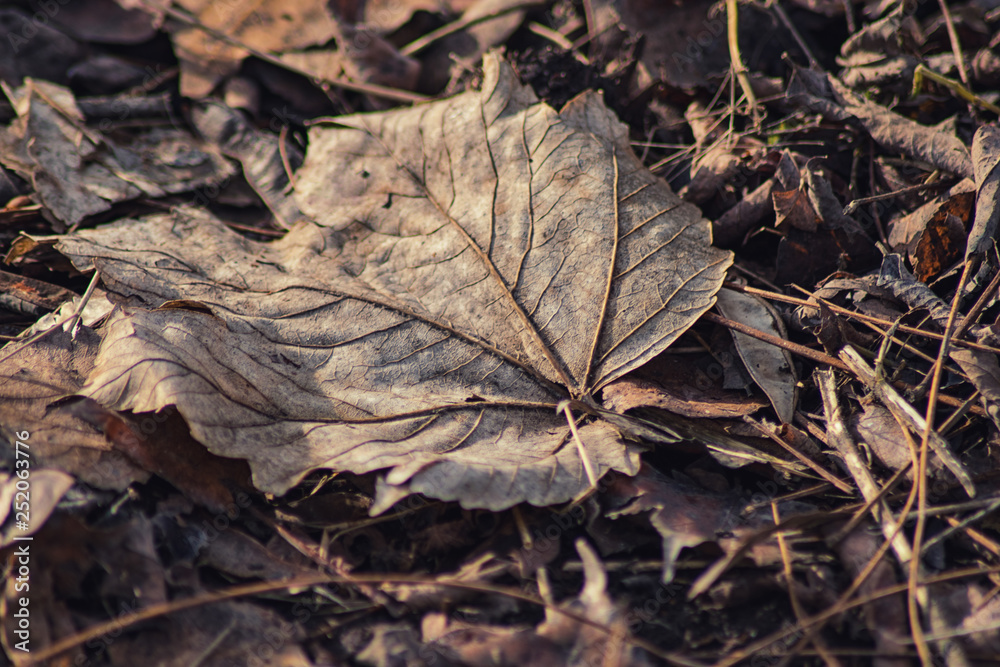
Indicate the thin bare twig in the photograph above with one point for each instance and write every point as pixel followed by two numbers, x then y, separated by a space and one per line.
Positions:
pixel 795 348
pixel 853 205
pixel 812 465
pixel 466 21
pixel 73 318
pixel 564 407
pixel 783 17
pixel 115 626
pixel 956 45
pixel 737 60
pixel 784 298
pixel 914 590
pixel 921 71
pixel 905 412
pixel 793 596
pixel 842 442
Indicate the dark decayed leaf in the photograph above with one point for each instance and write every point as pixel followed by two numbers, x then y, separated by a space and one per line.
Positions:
pixel 895 132
pixel 670 52
pixel 77 171
pixel 685 515
pixel 485 24
pixel 559 640
pixel 479 260
pixel 885 617
pixel 907 231
pixel 230 632
pixel 746 214
pixel 981 366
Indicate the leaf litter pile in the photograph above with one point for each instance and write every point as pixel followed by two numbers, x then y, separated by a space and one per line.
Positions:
pixel 500 332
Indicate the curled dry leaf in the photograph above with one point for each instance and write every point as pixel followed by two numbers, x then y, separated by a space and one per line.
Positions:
pixel 259 154
pixel 770 367
pixel 986 160
pixel 81 171
pixel 828 96
pixel 478 261
pixel 896 132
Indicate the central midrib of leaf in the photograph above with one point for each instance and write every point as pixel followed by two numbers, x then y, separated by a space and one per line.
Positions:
pixel 577 390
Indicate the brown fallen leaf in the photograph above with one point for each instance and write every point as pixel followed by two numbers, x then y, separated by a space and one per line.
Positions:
pixel 940 246
pixel 33 378
pixel 827 95
pixel 878 429
pixel 684 514
pixel 161 444
pixel 386 16
pixel 559 640
pixel 668 383
pixel 792 207
pixel 81 171
pixel 479 261
pixel 269 26
pixel 360 56
pixel 908 230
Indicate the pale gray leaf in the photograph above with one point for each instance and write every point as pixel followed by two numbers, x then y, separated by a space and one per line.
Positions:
pixel 770 366
pixel 478 261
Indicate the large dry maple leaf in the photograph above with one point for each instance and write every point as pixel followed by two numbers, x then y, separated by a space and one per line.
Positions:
pixel 472 263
